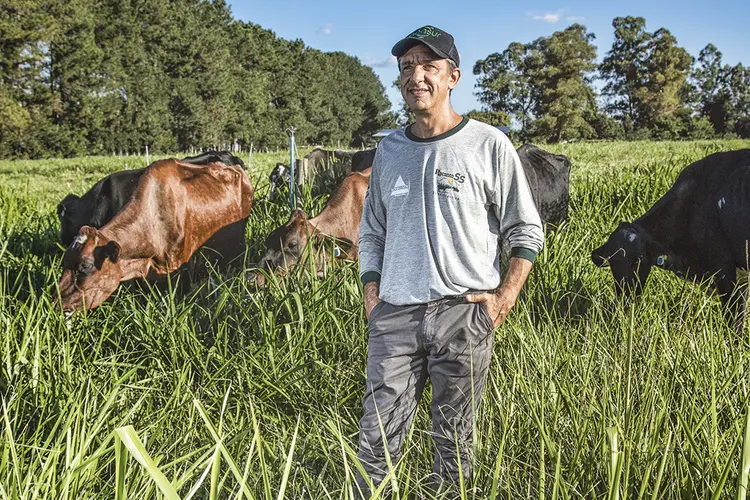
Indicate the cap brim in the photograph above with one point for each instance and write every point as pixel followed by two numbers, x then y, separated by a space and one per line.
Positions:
pixel 403 46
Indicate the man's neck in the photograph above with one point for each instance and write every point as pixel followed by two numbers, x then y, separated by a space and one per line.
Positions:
pixel 431 125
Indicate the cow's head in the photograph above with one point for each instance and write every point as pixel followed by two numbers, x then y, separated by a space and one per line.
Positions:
pixel 91 271
pixel 286 244
pixel 289 244
pixel 630 253
pixel 67 212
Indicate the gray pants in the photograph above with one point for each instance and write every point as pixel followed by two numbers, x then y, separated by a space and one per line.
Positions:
pixel 449 341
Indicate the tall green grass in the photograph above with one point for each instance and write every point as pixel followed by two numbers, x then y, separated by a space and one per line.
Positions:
pixel 230 392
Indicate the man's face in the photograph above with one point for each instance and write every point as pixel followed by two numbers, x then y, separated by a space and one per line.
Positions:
pixel 426 79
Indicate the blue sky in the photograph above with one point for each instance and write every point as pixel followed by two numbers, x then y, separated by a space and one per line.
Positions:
pixel 368 30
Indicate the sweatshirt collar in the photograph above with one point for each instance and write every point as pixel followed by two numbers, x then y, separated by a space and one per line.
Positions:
pixel 444 135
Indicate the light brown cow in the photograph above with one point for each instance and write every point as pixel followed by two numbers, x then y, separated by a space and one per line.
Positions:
pixel 175 209
pixel 339 220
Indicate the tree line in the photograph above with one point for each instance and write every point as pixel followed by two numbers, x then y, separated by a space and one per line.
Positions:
pixel 80 77
pixel 652 88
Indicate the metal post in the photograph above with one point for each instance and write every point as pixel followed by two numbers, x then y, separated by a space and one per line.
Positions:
pixel 292 186
pixel 148 162
pixel 250 159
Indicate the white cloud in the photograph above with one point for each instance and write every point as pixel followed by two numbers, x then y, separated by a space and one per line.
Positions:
pixel 325 30
pixel 547 17
pixel 382 63
pixel 554 17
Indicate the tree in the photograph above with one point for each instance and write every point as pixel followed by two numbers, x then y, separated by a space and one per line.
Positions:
pixel 494 118
pixel 543 85
pixel 662 96
pixel 567 100
pixel 739 89
pixel 81 77
pixel 710 93
pixel 506 82
pixel 26 29
pixel 624 69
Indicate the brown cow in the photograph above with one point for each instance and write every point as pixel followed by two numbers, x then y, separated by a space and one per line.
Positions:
pixel 338 220
pixel 175 209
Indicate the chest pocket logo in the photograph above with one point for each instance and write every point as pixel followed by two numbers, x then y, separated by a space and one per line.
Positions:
pixel 400 188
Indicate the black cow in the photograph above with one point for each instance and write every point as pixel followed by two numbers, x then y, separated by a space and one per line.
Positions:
pixel 362 160
pixel 98 205
pixel 699 229
pixel 279 177
pixel 108 196
pixel 548 176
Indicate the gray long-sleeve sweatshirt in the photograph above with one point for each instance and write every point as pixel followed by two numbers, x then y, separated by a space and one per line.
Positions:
pixel 437 209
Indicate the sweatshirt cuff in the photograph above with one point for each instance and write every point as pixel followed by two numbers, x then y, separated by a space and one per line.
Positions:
pixel 370 276
pixel 523 253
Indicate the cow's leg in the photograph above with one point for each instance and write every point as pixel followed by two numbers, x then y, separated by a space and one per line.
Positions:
pixel 733 298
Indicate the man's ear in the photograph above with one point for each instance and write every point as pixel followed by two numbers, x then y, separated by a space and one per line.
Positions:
pixel 455 77
pixel 109 251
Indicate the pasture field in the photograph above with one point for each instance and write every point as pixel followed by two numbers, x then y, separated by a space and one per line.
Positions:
pixel 228 392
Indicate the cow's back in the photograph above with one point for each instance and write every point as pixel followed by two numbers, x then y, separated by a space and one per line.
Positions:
pixel 224 157
pixel 204 201
pixel 548 176
pixel 725 194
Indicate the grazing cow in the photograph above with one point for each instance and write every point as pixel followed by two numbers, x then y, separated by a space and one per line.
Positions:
pixel 339 220
pixel 548 176
pixel 175 209
pixel 108 196
pixel 319 161
pixel 698 230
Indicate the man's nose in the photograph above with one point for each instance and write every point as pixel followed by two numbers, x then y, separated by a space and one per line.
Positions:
pixel 418 74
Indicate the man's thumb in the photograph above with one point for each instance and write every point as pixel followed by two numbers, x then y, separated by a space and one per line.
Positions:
pixel 476 297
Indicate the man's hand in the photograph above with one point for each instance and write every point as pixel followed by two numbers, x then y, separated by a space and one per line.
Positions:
pixel 498 303
pixel 501 301
pixel 371 292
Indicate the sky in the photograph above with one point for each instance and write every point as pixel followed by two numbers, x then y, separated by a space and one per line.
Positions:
pixel 368 30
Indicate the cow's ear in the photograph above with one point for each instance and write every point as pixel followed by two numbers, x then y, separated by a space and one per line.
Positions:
pixel 113 251
pixel 109 251
pixel 87 231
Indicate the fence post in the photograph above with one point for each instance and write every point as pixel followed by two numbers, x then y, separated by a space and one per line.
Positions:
pixel 250 158
pixel 147 157
pixel 292 183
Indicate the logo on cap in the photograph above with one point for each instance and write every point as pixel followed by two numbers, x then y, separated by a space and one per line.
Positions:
pixel 424 32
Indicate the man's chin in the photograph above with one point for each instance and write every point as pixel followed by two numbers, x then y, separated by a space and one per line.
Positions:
pixel 418 105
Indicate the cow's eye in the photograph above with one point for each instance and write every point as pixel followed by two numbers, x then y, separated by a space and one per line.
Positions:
pixel 86 267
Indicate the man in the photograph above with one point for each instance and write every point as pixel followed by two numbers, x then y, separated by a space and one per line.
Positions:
pixel 443 192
